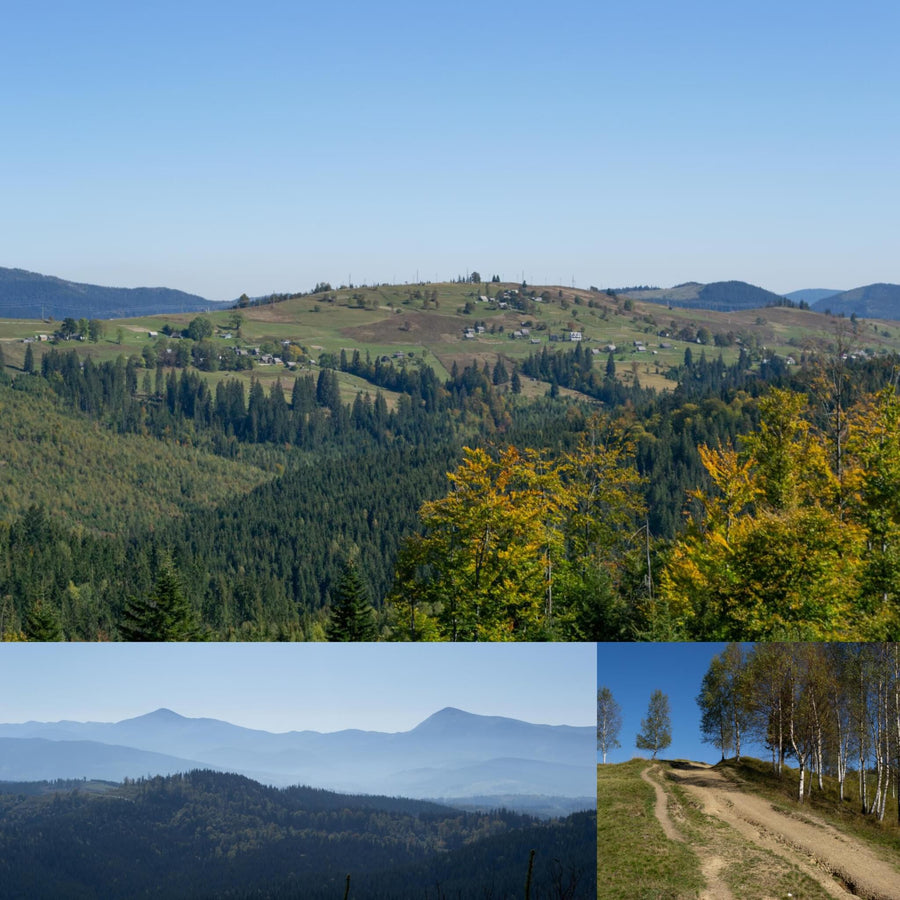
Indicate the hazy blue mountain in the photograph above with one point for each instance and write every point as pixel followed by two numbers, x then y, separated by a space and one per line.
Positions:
pixel 38 759
pixel 503 775
pixel 724 296
pixel 28 295
pixel 874 301
pixel 451 753
pixel 811 295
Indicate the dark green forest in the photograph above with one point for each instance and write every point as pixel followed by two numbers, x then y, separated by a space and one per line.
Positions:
pixel 593 516
pixel 207 834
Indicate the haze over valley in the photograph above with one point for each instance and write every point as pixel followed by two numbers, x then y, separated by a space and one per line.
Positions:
pixel 452 754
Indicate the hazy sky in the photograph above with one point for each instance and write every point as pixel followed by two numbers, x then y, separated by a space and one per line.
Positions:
pixel 633 671
pixel 284 687
pixel 228 147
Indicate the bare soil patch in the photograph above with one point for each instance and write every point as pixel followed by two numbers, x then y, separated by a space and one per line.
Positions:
pixel 662 805
pixel 409 328
pixel 843 865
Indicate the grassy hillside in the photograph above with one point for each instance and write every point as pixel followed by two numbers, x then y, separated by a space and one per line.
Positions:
pixel 427 323
pixel 635 860
pixel 86 475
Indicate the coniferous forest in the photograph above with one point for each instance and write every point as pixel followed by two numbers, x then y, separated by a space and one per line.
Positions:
pixel 749 502
pixel 207 834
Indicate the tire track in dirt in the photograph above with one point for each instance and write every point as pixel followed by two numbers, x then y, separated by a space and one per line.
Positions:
pixel 662 805
pixel 711 864
pixel 844 866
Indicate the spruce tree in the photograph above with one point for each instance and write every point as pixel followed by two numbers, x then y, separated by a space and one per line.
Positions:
pixel 42 624
pixel 352 615
pixel 165 614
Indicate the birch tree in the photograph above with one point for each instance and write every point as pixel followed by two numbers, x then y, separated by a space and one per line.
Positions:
pixel 656 729
pixel 609 721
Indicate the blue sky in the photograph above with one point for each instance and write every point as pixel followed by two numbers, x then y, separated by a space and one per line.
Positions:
pixel 227 147
pixel 284 687
pixel 633 671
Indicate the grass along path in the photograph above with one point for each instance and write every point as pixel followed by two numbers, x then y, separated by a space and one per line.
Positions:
pixel 711 863
pixel 705 858
pixel 635 859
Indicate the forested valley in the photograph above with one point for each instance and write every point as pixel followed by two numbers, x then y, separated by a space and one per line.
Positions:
pixel 208 834
pixel 755 502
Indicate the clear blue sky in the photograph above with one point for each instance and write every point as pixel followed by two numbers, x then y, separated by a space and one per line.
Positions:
pixel 228 147
pixel 633 671
pixel 284 687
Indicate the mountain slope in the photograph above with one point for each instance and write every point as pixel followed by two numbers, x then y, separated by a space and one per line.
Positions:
pixel 725 296
pixel 811 295
pixel 29 295
pixel 46 760
pixel 101 480
pixel 874 301
pixel 206 834
pixel 450 754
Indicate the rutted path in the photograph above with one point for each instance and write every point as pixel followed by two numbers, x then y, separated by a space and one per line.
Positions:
pixel 662 805
pixel 843 865
pixel 710 864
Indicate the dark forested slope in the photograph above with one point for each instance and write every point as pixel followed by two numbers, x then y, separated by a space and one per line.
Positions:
pixel 28 295
pixel 207 834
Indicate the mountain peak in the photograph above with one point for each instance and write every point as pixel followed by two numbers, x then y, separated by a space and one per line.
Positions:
pixel 163 714
pixel 452 719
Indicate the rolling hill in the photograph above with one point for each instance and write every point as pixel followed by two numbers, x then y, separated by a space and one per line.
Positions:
pixel 874 301
pixel 725 296
pixel 207 834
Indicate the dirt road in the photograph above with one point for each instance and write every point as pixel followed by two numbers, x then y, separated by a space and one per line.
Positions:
pixel 844 866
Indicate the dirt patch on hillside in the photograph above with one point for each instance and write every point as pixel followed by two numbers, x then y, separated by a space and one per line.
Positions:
pixel 843 865
pixel 409 327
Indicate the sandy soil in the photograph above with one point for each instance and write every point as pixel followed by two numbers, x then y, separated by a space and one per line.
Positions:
pixel 843 865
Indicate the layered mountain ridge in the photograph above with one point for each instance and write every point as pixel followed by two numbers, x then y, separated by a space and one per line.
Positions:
pixel 452 753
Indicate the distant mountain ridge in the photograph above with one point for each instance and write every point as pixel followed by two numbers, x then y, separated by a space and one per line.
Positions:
pixel 723 296
pixel 450 754
pixel 811 295
pixel 873 301
pixel 29 295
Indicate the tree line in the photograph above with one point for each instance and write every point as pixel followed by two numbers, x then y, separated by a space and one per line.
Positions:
pixel 833 708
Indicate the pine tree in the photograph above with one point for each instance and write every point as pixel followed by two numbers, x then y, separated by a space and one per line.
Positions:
pixel 352 616
pixel 28 365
